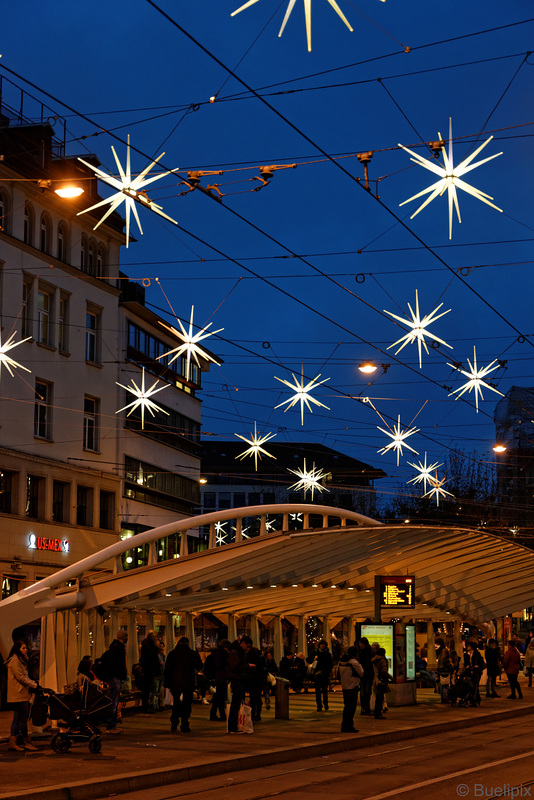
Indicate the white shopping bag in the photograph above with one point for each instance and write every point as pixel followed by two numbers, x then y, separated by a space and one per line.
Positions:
pixel 244 718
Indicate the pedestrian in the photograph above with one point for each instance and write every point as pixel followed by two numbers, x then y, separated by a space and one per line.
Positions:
pixel 365 656
pixel 321 663
pixel 112 670
pixel 272 673
pixel 529 661
pixel 150 667
pixel 19 684
pixel 350 673
pixel 215 673
pixel 474 666
pixel 444 668
pixel 381 681
pixel 493 667
pixel 85 672
pixel 299 673
pixel 257 675
pixel 159 704
pixel 238 673
pixel 181 667
pixel 512 665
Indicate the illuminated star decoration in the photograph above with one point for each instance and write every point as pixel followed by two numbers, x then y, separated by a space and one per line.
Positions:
pixel 243 531
pixel 475 378
pixel 269 524
pixel 437 488
pixel 142 400
pixel 190 344
pixel 220 533
pixel 5 360
pixel 398 439
pixel 307 11
pixel 309 480
pixel 296 517
pixel 255 448
pixel 424 473
pixel 450 178
pixel 302 395
pixel 129 191
pixel 418 328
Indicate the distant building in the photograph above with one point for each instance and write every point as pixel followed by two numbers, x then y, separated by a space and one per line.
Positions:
pixel 514 421
pixel 75 475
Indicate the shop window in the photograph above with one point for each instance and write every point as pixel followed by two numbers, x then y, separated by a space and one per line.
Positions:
pixel 6 491
pixel 9 586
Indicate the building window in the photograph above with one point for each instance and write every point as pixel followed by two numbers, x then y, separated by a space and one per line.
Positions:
pixel 60 501
pixel 63 324
pixel 225 500
pixel 45 234
pixel 84 506
pixel 42 410
pixel 44 308
pixel 150 484
pixel 92 336
pixel 209 500
pixel 83 253
pixel 26 320
pixel 9 586
pixel 34 496
pixel 90 423
pixel 90 259
pixel 28 224
pixel 100 261
pixel 62 242
pixel 6 489
pixel 153 348
pixel 107 510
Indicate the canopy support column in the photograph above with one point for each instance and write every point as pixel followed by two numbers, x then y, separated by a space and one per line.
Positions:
pixel 232 628
pixel 255 630
pixel 302 643
pixel 132 647
pixel 431 662
pixel 278 638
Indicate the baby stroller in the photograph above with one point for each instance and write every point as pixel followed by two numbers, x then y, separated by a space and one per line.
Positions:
pixel 78 716
pixel 464 692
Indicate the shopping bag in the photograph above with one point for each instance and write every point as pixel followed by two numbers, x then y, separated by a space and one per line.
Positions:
pixel 169 699
pixel 244 719
pixel 271 679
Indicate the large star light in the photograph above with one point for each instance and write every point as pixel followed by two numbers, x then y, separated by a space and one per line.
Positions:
pixel 450 178
pixel 424 471
pixel 6 360
pixel 437 489
pixel 309 480
pixel 398 437
pixel 255 448
pixel 307 12
pixel 418 328
pixel 302 394
pixel 190 345
pixel 129 191
pixel 475 377
pixel 142 399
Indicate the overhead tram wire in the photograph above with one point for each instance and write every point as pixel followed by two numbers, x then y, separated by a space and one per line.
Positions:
pixel 335 163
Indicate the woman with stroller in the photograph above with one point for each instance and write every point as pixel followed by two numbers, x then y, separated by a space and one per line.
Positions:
pixel 19 684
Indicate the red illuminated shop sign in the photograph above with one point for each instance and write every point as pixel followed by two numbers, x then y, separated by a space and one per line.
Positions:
pixel 43 543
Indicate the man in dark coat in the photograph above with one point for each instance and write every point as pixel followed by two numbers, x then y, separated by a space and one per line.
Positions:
pixel 324 663
pixel 238 673
pixel 365 654
pixel 258 674
pixel 150 666
pixel 181 667
pixel 113 671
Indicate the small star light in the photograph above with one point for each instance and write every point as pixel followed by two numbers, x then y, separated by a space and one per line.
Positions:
pixel 307 12
pixel 437 488
pixel 302 395
pixel 190 345
pixel 5 360
pixel 450 178
pixel 398 438
pixel 424 472
pixel 475 378
pixel 142 400
pixel 269 525
pixel 220 533
pixel 418 328
pixel 309 480
pixel 244 533
pixel 255 448
pixel 128 191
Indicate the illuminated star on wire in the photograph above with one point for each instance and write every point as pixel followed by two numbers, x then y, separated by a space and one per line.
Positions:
pixel 244 534
pixel 6 360
pixel 424 473
pixel 302 394
pixel 475 376
pixel 309 480
pixel 129 191
pixel 220 533
pixel 142 400
pixel 450 178
pixel 307 12
pixel 398 439
pixel 190 344
pixel 269 525
pixel 296 517
pixel 418 328
pixel 255 448
pixel 437 489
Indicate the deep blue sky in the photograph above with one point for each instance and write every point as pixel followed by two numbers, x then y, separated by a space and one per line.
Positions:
pixel 122 62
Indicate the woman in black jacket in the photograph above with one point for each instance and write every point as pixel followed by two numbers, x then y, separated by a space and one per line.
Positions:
pixel 324 663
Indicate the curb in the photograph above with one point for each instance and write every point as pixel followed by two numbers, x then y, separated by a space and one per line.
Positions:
pixel 146 779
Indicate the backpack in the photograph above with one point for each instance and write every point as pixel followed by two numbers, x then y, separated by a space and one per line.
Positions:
pixel 99 668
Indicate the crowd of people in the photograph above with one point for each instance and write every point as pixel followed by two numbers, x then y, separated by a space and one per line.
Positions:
pixel 174 679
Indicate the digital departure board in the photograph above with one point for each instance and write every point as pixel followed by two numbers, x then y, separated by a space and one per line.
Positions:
pixel 397 591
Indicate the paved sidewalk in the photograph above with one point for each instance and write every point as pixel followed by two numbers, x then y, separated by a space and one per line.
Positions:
pixel 147 754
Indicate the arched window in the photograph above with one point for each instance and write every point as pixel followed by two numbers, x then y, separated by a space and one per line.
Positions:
pixel 91 259
pixel 100 260
pixel 29 218
pixel 45 233
pixel 62 241
pixel 83 253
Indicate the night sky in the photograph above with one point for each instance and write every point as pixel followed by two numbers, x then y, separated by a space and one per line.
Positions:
pixel 299 273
